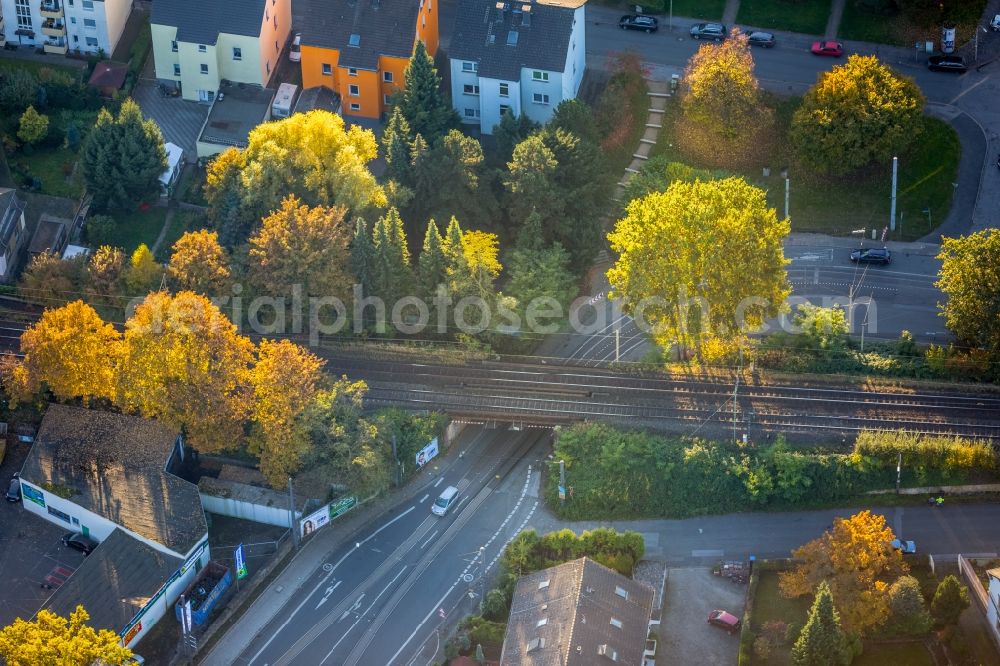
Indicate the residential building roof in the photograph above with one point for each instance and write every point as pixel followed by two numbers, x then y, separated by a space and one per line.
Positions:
pixel 201 21
pixel 115 581
pixel 994 573
pixel 377 27
pixel 504 38
pixel 238 108
pixel 50 235
pixel 577 613
pixel 115 466
pixel 108 74
pixel 11 208
pixel 318 97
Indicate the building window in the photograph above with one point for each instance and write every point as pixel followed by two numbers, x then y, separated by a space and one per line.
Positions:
pixel 202 48
pixel 173 44
pixel 472 113
pixel 88 5
pixel 539 98
pixel 204 68
pixel 430 5
pixel 91 41
pixel 89 23
pixel 72 20
pixel 327 69
pixel 354 40
pixel 387 100
pixel 353 90
pixel 75 39
pixel 177 69
pixel 387 77
pixel 355 106
pixel 267 14
pixel 615 622
pixel 504 109
pixel 470 89
pixel 505 90
pixel 58 514
pixel 237 53
pixel 621 592
pixel 267 66
pixel 277 49
pixel 470 67
pixel 540 76
pixel 352 71
pixel 275 21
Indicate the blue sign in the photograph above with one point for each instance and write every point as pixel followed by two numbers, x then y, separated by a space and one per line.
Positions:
pixel 241 563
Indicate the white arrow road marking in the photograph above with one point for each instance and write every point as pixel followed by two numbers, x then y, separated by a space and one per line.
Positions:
pixel 356 606
pixel 329 591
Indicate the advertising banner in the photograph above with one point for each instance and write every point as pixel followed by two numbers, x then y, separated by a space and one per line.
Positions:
pixel 314 521
pixel 426 454
pixel 342 506
pixel 241 563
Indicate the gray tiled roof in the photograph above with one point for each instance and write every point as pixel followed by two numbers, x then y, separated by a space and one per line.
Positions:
pixel 577 604
pixel 114 582
pixel 482 31
pixel 201 21
pixel 115 466
pixel 385 28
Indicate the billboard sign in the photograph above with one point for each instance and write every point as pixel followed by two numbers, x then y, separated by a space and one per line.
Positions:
pixel 241 563
pixel 426 454
pixel 342 506
pixel 314 521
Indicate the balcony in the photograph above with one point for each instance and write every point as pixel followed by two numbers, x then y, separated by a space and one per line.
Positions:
pixel 54 28
pixel 51 9
pixel 58 47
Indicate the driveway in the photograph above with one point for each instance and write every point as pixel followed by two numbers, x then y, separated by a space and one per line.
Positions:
pixel 685 636
pixel 179 120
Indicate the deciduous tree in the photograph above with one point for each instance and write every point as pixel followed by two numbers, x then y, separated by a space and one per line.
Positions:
pixel 104 272
pixel 51 281
pixel 822 641
pixel 33 126
pixel 73 352
pixel 51 639
pixel 285 381
pixel 123 158
pixel 856 114
pixel 199 264
pixel 186 365
pixel 422 103
pixel 950 599
pixel 970 279
pixel 702 258
pixel 143 274
pixel 302 245
pixel 856 559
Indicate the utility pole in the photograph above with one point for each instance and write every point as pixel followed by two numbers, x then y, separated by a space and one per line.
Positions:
pixel 899 469
pixel 787 187
pixel 395 457
pixel 291 515
pixel 618 343
pixel 671 23
pixel 892 205
pixel 736 387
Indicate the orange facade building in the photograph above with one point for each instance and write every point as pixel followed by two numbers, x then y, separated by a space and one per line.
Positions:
pixel 360 48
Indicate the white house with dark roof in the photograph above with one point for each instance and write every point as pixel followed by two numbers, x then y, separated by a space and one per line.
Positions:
pixel 12 233
pixel 197 43
pixel 110 476
pixel 521 57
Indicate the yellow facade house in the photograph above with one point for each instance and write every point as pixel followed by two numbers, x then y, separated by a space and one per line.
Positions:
pixel 198 43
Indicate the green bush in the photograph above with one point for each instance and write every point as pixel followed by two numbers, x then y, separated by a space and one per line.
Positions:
pixel 529 552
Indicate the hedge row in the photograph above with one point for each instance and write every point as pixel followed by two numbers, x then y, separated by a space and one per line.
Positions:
pixel 616 474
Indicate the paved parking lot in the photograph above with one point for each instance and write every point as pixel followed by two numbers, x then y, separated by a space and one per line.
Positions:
pixel 32 557
pixel 685 636
pixel 180 121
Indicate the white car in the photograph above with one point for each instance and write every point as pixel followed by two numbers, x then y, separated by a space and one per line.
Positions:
pixel 995 23
pixel 907 547
pixel 295 52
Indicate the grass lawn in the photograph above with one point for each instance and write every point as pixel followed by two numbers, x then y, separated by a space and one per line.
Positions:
pixel 912 653
pixel 898 29
pixel 839 205
pixel 48 166
pixel 182 221
pixel 189 188
pixel 805 16
pixel 703 9
pixel 769 605
pixel 137 227
pixel 35 66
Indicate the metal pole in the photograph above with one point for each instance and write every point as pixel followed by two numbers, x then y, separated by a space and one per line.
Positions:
pixel 618 343
pixel 671 23
pixel 395 457
pixel 291 515
pixel 787 186
pixel 899 468
pixel 892 207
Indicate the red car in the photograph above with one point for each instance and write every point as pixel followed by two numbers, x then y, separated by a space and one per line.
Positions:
pixel 832 49
pixel 727 621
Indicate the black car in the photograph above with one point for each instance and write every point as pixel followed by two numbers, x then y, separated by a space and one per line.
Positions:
pixel 947 63
pixel 77 541
pixel 638 22
pixel 14 490
pixel 715 31
pixel 763 39
pixel 872 255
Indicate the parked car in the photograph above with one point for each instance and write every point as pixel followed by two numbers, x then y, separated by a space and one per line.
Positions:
pixel 760 38
pixel 871 255
pixel 638 22
pixel 78 541
pixel 14 490
pixel 907 547
pixel 295 52
pixel 727 621
pixel 995 23
pixel 715 31
pixel 832 49
pixel 947 63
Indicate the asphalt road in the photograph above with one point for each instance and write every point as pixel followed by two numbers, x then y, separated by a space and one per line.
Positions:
pixel 377 601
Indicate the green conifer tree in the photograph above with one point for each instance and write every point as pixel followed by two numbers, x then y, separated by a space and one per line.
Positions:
pixel 422 103
pixel 396 141
pixel 432 263
pixel 822 641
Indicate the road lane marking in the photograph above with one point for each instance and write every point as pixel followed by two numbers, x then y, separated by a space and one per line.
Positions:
pixel 355 606
pixel 329 591
pixel 431 537
pixel 438 482
pixel 423 499
pixel 363 613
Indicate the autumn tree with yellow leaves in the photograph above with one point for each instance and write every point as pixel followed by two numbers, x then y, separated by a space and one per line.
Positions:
pixel 51 639
pixel 858 561
pixel 198 263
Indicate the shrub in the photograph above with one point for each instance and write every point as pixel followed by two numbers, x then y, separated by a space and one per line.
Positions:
pixel 100 229
pixel 496 606
pixel 950 599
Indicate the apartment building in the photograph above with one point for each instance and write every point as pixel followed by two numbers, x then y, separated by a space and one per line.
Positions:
pixel 197 43
pixel 64 26
pixel 360 48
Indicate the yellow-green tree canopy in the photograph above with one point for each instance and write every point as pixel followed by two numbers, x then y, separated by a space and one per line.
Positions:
pixel 970 278
pixel 856 114
pixel 857 560
pixel 51 639
pixel 198 263
pixel 698 244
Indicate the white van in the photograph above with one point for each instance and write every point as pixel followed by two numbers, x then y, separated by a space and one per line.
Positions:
pixel 295 52
pixel 444 501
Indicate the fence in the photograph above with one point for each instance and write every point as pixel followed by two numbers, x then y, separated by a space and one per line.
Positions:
pixel 979 595
pixel 259 549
